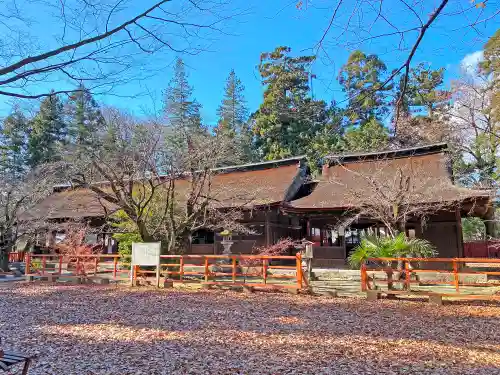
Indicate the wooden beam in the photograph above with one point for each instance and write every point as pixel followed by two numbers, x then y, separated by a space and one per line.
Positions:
pixel 267 229
pixel 460 237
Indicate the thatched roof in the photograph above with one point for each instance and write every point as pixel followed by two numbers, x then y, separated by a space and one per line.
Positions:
pixel 422 174
pixel 248 185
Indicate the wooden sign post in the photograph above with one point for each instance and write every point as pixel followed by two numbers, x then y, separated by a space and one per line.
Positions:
pixel 145 254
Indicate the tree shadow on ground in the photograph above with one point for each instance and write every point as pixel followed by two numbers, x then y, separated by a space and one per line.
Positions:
pixel 123 330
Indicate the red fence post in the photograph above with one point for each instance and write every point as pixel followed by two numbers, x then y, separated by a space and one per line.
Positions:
pixel 44 265
pixel 134 275
pixel 233 274
pixel 364 286
pixel 115 266
pixel 206 270
pixel 455 276
pixel 60 264
pixel 264 270
pixel 27 266
pixel 77 265
pixel 96 264
pixel 181 268
pixel 407 275
pixel 299 270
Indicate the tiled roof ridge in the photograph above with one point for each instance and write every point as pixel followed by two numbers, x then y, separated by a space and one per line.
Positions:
pixel 389 154
pixel 225 169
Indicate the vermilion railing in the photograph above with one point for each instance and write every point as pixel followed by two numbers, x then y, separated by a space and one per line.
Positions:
pixel 74 265
pixel 455 267
pixel 17 256
pixel 236 270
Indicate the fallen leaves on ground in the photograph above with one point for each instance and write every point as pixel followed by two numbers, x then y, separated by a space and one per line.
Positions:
pixel 90 330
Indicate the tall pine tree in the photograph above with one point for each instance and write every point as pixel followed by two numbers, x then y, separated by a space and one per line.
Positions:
pixel 13 144
pixel 233 117
pixel 181 110
pixel 85 117
pixel 288 119
pixel 491 68
pixel 424 89
pixel 362 78
pixel 362 81
pixel 48 132
pixel 232 112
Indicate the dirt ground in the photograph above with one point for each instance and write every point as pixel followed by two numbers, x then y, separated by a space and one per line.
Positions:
pixel 116 330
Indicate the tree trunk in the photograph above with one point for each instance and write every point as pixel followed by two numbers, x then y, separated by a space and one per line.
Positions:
pixel 401 227
pixel 490 224
pixel 4 260
pixel 143 231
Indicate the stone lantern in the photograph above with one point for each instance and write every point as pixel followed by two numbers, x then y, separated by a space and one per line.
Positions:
pixel 226 242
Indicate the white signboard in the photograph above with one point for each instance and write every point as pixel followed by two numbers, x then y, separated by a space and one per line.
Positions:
pixel 146 254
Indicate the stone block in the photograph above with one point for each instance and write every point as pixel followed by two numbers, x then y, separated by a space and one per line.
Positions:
pixel 168 284
pixel 372 295
pixel 102 281
pixel 248 289
pixel 30 278
pixel 436 300
pixel 332 293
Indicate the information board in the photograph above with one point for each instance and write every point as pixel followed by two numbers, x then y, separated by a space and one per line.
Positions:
pixel 146 253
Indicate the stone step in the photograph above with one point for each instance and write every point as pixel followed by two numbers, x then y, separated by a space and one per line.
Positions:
pixel 326 279
pixel 339 283
pixel 333 292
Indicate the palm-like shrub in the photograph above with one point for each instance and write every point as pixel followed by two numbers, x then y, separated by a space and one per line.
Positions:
pixel 390 247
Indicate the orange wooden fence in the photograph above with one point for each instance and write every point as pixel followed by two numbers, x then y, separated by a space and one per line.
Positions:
pixel 69 266
pixel 457 267
pixel 259 271
pixel 17 256
pixel 232 270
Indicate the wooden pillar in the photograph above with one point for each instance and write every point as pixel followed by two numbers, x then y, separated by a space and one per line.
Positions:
pixel 460 237
pixel 50 238
pixel 489 222
pixel 267 229
pixel 341 232
pixel 308 229
pixel 344 247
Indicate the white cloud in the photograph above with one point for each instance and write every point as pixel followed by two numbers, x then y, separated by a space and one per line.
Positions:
pixel 469 62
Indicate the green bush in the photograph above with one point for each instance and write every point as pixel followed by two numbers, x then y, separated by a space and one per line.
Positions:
pixel 36 264
pixel 125 241
pixel 388 247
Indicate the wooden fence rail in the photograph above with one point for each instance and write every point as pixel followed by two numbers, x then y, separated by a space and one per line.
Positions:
pixel 260 271
pixel 457 269
pixel 17 256
pixel 71 266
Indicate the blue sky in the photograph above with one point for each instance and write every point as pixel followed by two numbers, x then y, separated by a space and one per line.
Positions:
pixel 265 25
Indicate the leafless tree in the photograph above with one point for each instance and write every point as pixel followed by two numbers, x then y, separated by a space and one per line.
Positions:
pixel 474 129
pixel 403 27
pixel 17 197
pixel 165 190
pixel 419 131
pixel 99 43
pixel 395 191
